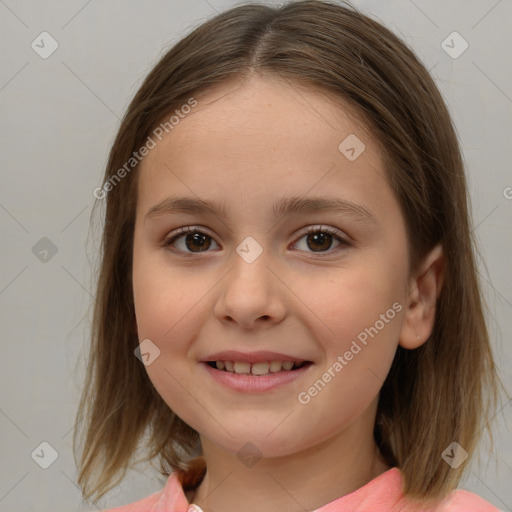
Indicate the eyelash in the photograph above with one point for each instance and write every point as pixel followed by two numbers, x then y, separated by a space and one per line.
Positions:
pixel 312 229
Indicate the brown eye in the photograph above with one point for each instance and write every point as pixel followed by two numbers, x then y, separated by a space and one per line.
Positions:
pixel 320 239
pixel 195 241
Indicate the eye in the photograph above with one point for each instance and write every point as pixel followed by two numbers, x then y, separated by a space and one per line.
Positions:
pixel 318 238
pixel 321 237
pixel 193 237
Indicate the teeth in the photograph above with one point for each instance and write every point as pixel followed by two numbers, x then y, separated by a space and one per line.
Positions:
pixel 264 368
pixel 242 367
pixel 259 368
pixel 275 366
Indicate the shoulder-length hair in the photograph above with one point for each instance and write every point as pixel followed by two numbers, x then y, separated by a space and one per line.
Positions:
pixel 441 392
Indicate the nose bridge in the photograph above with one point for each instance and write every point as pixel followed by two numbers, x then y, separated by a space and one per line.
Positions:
pixel 251 289
pixel 251 261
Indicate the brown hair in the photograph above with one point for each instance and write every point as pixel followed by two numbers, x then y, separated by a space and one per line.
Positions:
pixel 433 395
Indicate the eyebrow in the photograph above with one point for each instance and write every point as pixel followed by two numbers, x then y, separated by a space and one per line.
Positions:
pixel 284 207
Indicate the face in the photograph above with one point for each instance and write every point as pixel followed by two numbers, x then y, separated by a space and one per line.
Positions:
pixel 256 279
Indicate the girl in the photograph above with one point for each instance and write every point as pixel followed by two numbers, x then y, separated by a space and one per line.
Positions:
pixel 288 309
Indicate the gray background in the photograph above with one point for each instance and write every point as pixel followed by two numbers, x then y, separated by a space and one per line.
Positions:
pixel 59 118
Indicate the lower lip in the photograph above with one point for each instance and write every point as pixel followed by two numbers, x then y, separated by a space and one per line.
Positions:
pixel 255 383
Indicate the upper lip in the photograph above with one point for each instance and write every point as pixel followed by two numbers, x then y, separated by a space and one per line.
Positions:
pixel 251 357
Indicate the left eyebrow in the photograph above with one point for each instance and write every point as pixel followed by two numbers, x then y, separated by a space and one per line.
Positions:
pixel 284 207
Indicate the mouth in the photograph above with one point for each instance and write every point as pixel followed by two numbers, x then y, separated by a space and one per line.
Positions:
pixel 257 369
pixel 256 377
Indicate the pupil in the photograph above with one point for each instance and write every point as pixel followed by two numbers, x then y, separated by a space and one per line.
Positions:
pixel 319 238
pixel 197 238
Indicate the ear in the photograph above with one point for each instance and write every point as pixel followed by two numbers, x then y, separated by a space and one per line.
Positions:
pixel 420 311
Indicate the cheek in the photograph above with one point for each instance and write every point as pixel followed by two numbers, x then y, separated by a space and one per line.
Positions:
pixel 162 295
pixel 361 314
pixel 164 307
pixel 166 316
pixel 170 310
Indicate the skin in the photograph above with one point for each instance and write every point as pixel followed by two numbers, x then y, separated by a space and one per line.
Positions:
pixel 250 144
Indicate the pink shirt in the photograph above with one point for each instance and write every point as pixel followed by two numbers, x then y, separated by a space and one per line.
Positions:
pixel 382 494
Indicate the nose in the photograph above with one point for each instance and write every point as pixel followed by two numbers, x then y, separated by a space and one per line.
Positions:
pixel 251 294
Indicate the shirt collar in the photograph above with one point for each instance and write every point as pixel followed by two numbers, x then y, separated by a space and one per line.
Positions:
pixel 382 493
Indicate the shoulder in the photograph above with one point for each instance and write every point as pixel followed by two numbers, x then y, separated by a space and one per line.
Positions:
pixel 145 504
pixel 466 501
pixel 459 500
pixel 168 499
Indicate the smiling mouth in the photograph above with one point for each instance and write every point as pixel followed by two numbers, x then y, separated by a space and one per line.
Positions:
pixel 257 369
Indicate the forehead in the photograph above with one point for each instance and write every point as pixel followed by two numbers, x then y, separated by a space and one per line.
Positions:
pixel 269 110
pixel 260 137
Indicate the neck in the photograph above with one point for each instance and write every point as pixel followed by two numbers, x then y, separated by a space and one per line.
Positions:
pixel 334 468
